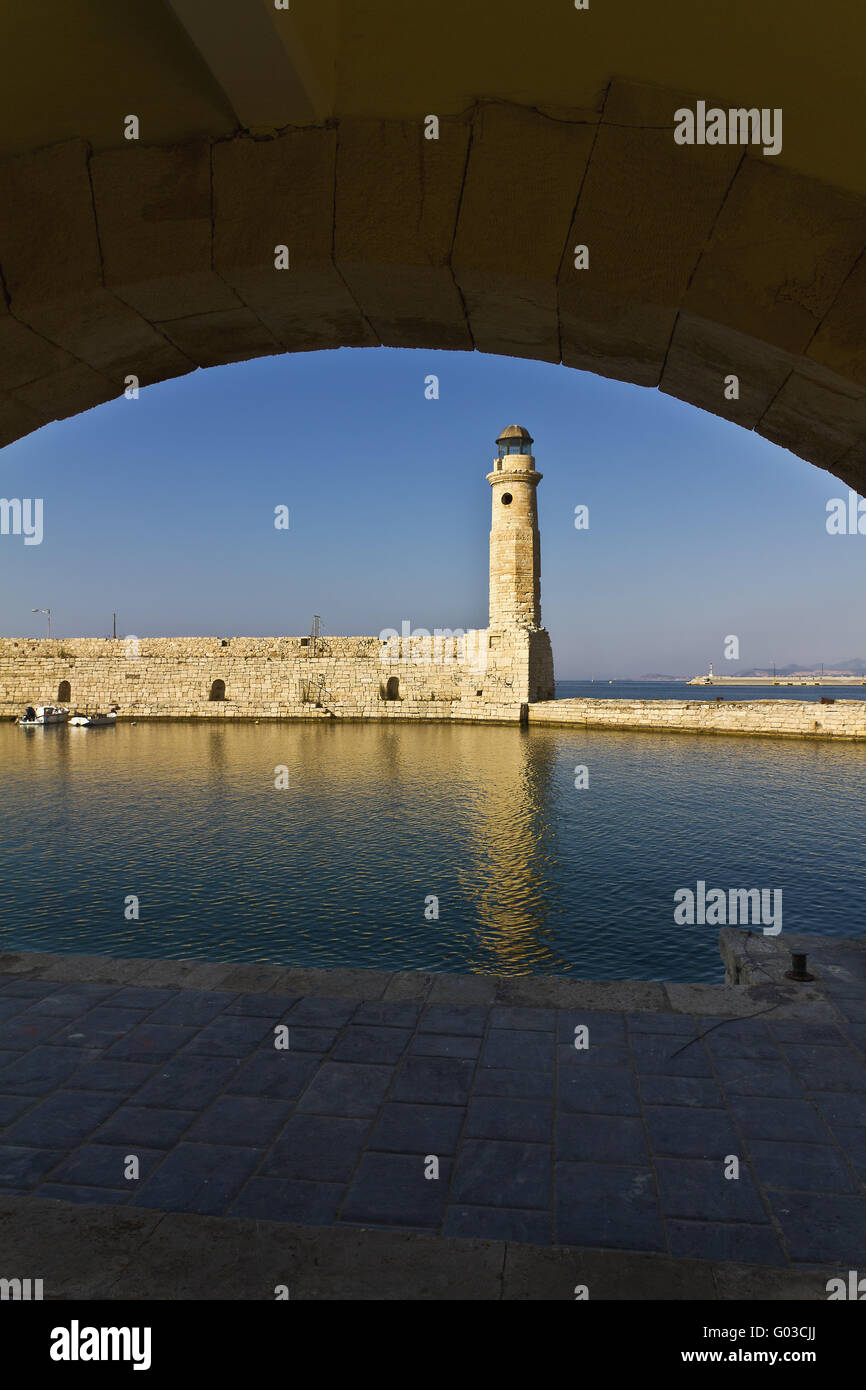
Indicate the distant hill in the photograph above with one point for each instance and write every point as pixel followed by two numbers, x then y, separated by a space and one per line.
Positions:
pixel 853 666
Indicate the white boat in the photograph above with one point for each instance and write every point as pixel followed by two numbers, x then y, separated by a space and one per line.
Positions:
pixel 36 715
pixel 93 721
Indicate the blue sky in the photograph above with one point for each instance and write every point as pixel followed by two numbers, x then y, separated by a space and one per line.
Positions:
pixel 162 509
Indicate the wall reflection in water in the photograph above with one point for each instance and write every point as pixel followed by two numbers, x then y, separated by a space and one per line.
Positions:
pixel 531 873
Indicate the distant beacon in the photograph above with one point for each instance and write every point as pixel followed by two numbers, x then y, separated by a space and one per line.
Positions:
pixel 515 545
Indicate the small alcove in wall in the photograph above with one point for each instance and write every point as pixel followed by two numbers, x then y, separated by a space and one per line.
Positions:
pixel 217 690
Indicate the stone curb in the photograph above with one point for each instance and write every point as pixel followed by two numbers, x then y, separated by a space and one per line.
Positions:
pixel 106 1252
pixel 531 991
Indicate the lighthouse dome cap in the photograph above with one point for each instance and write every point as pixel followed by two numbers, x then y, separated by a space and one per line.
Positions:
pixel 514 432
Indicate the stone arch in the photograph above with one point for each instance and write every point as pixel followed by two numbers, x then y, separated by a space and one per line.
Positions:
pixel 706 262
pixel 392 688
pixel 217 690
pixel 64 693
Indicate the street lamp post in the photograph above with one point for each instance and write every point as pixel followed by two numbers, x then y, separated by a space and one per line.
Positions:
pixel 47 612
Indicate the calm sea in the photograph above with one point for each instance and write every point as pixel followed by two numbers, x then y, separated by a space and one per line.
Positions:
pixel 681 690
pixel 342 866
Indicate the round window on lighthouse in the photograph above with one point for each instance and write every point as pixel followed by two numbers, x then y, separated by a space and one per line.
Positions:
pixel 506 499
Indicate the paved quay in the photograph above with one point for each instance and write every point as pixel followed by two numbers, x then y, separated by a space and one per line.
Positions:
pixel 602 1163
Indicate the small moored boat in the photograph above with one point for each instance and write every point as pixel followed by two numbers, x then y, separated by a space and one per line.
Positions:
pixel 36 715
pixel 93 721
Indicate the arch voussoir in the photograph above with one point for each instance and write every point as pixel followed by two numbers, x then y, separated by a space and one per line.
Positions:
pixel 703 263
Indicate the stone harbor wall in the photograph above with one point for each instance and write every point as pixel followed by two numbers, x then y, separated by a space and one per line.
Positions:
pixel 479 675
pixel 844 719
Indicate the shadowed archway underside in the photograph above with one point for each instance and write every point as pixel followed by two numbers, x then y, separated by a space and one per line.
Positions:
pixel 704 262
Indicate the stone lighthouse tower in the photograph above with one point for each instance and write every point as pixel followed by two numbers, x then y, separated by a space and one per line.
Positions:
pixel 515 562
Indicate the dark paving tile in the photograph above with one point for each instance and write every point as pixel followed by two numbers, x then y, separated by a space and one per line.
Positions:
pixel 535 1020
pixel 234 1036
pixel 24 1031
pixel 852 1007
pixel 568 1056
pixel 522 1085
pixel 597 1091
pixel 601 1139
pixel 827 1068
pixel 98 1028
pixel 138 1124
pixel 31 989
pixel 25 1167
pixel 853 1142
pixel 778 1119
pixel 445 1045
pixel 697 1189
pixel 317 1148
pixel 498 1223
pixel 319 1040
pixel 135 997
pixel 685 1132
pixel 186 1083
pixel 39 1071
pixel 604 1029
pixel 728 1240
pixel 497 1173
pixel 418 1129
pixel 13 1106
pixel 105 1075
pixel 740 1077
pixel 371 1044
pixel 804 1167
pixel 11 1008
pixel 822 1229
pixel 346 1088
pixel 323 1013
pixel 678 1024
pixel 281 1075
pixel 104 1165
pixel 835 1107
pixel 817 1034
pixel 66 1192
pixel 518 1049
pixel 66 1004
pixel 666 1055
pixel 63 1120
pixel 151 1042
pixel 387 1015
pixel 391 1190
pixel 303 1203
pixel 204 1178
pixel 270 1006
pixel 700 1091
pixel 434 1081
pixel 192 1008
pixel 453 1018
pixel 492 1117
pixel 760 1047
pixel 606 1206
pixel 249 1121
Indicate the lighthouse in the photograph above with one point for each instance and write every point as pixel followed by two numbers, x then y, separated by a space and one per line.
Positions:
pixel 515 545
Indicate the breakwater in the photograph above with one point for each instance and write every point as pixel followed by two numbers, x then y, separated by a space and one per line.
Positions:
pixel 843 719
